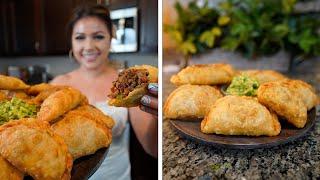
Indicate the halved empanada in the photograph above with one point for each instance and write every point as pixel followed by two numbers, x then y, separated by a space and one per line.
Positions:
pixel 190 101
pixel 263 76
pixel 285 101
pixel 9 172
pixel 131 85
pixel 240 115
pixel 82 134
pixel 12 83
pixel 204 74
pixel 32 147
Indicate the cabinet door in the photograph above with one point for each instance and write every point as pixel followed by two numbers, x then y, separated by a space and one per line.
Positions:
pixel 148 25
pixel 19 30
pixel 56 15
pixel 120 4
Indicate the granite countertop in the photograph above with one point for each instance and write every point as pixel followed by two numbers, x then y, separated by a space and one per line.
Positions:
pixel 187 159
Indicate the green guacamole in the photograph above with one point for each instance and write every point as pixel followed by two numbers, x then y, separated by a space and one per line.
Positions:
pixel 16 109
pixel 243 86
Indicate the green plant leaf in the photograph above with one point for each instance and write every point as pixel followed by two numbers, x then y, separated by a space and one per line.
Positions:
pixel 188 48
pixel 230 43
pixel 207 38
pixel 307 41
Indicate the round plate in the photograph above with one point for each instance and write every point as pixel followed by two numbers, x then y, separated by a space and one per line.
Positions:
pixel 86 166
pixel 191 129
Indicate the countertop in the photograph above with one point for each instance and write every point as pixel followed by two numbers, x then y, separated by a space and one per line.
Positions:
pixel 186 159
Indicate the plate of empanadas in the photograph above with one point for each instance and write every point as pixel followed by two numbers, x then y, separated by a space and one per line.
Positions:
pixel 240 109
pixel 50 132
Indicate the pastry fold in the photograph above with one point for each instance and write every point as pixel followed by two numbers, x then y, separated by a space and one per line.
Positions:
pixel 240 115
pixel 190 101
pixel 204 74
pixel 58 103
pixel 7 171
pixel 285 101
pixel 83 133
pixel 32 147
pixel 263 76
pixel 12 83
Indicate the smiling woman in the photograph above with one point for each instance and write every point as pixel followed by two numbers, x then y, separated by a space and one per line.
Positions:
pixel 90 31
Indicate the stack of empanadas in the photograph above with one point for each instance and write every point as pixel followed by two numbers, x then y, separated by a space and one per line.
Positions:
pixel 239 115
pixel 64 129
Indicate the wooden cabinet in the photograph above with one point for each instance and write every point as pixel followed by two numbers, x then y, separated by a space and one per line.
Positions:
pixel 148 25
pixel 120 4
pixel 38 27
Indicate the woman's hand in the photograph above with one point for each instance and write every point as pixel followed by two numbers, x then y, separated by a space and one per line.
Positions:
pixel 149 103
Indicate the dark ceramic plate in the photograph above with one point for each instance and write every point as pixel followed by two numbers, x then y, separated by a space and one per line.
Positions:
pixel 191 129
pixel 86 166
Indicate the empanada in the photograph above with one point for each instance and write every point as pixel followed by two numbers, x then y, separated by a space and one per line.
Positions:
pixel 32 147
pixel 36 89
pixel 190 101
pixel 204 74
pixel 285 101
pixel 306 92
pixel 263 76
pixel 58 103
pixel 12 83
pixel 131 85
pixel 82 134
pixel 9 172
pixel 240 115
pixel 92 112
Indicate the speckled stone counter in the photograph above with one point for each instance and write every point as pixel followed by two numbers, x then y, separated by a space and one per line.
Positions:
pixel 186 159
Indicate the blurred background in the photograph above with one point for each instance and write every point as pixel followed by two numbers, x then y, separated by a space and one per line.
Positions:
pixel 33 36
pixel 278 34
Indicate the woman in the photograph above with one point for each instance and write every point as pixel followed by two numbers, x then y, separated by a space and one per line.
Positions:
pixel 91 30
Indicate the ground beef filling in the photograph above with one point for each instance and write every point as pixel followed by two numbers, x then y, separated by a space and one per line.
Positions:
pixel 127 81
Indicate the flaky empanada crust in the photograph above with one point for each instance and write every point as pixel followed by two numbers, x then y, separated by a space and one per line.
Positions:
pixel 190 101
pixel 204 74
pixel 32 147
pixel 285 101
pixel 240 115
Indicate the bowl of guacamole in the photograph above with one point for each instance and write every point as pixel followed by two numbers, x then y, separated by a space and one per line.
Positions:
pixel 16 109
pixel 242 85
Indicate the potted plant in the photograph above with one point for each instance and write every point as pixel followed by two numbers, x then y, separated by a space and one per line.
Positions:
pixel 196 29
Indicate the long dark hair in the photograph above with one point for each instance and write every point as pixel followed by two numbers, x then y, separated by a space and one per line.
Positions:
pixel 89 10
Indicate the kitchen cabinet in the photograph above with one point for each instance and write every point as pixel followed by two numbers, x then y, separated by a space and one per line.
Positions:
pixel 38 27
pixel 148 25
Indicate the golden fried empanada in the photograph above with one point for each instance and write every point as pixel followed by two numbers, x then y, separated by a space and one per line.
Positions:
pixel 58 103
pixel 92 112
pixel 32 147
pixel 204 74
pixel 285 101
pixel 190 101
pixel 263 76
pixel 306 92
pixel 36 89
pixel 240 115
pixel 82 134
pixel 12 83
pixel 9 172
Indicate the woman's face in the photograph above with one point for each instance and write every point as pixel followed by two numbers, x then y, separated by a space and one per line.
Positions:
pixel 90 42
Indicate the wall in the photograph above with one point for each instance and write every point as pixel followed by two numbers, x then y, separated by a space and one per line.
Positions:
pixel 62 64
